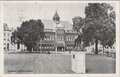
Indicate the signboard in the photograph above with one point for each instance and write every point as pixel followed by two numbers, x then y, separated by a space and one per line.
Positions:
pixel 60 42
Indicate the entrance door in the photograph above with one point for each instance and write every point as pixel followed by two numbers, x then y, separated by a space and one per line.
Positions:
pixel 60 48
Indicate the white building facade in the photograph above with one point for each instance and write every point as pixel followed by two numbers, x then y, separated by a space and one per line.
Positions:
pixel 101 50
pixel 8 45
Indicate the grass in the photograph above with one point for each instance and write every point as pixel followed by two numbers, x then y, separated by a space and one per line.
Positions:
pixel 38 63
pixel 35 63
pixel 100 64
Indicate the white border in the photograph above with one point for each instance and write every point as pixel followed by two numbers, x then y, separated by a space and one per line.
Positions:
pixel 64 75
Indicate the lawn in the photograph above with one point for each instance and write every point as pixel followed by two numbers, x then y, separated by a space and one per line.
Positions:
pixel 35 63
pixel 100 64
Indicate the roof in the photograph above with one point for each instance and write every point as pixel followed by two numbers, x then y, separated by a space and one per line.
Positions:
pixel 6 27
pixel 50 24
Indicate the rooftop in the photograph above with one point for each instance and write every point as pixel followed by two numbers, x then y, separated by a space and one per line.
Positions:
pixel 50 24
pixel 56 16
pixel 6 27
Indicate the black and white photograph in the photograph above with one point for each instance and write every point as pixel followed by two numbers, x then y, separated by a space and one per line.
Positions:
pixel 59 37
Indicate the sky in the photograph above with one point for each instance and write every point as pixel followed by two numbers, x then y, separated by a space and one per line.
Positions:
pixel 15 13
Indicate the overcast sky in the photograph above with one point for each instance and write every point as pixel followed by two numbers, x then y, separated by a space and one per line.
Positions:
pixel 14 13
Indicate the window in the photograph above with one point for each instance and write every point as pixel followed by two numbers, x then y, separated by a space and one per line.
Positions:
pixel 53 37
pixel 71 38
pixel 45 38
pixel 67 47
pixel 4 47
pixel 68 38
pixel 60 38
pixel 49 37
pixel 57 38
pixel 40 47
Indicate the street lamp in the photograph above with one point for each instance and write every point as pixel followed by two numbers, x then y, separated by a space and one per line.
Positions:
pixel 56 40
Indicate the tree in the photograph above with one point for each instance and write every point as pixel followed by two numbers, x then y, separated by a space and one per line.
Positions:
pixel 99 24
pixel 29 33
pixel 78 23
pixel 108 37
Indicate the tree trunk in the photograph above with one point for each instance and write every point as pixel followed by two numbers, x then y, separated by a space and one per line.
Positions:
pixel 18 46
pixel 40 45
pixel 96 46
pixel 29 48
pixel 103 50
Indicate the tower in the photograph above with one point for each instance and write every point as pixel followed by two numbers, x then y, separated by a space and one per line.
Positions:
pixel 56 18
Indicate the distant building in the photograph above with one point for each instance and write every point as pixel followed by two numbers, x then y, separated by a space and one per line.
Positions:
pixel 59 35
pixel 8 45
pixel 7 38
pixel 101 50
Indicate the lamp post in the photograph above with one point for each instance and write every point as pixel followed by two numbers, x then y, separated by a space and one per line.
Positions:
pixel 56 40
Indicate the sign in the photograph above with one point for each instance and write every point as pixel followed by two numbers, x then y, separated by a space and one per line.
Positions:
pixel 60 42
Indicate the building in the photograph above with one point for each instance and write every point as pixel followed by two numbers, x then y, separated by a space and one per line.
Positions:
pixel 101 49
pixel 59 35
pixel 8 45
pixel 7 38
